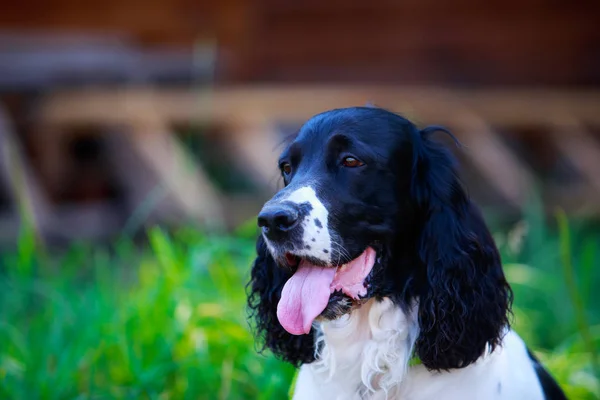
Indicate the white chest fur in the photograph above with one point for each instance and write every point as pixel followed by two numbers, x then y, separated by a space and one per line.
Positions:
pixel 364 355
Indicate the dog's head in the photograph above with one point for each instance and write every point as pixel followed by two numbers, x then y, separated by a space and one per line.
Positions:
pixel 372 207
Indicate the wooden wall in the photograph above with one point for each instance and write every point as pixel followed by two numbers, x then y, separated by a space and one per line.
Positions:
pixel 469 42
pixel 428 41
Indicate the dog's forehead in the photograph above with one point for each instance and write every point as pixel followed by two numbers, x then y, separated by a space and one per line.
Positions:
pixel 316 134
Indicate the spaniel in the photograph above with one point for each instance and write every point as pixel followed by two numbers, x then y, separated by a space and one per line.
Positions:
pixel 376 274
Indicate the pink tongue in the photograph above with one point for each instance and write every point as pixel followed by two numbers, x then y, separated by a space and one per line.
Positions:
pixel 306 294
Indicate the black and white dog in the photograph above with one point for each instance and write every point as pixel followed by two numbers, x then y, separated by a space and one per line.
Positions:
pixel 378 276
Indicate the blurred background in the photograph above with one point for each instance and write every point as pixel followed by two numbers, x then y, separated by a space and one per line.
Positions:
pixel 138 140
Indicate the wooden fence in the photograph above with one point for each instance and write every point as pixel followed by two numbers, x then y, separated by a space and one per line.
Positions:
pixel 516 141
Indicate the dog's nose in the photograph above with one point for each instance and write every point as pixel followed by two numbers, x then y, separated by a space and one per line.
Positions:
pixel 275 220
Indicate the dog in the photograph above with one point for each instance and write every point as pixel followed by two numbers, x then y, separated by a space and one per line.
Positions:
pixel 377 276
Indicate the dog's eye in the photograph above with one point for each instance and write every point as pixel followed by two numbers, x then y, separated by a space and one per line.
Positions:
pixel 352 162
pixel 286 168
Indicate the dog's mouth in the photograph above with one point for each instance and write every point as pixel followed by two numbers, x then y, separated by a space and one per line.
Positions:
pixel 311 288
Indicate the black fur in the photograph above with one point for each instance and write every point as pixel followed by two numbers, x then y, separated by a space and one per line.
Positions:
pixel 407 203
pixel 551 389
pixel 264 292
pixel 465 298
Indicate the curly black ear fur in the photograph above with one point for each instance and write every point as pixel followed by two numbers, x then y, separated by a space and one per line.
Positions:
pixel 264 291
pixel 465 300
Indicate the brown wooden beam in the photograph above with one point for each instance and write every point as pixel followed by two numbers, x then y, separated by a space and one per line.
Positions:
pixel 297 103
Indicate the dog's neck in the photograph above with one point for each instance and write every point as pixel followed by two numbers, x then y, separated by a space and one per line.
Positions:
pixel 372 346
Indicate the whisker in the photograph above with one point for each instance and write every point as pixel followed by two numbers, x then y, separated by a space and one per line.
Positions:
pixel 341 252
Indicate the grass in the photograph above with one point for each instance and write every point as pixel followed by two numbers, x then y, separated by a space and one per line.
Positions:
pixel 167 320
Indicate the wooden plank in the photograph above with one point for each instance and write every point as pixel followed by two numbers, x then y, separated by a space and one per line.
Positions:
pixel 30 203
pixel 295 104
pixel 254 146
pixel 580 148
pixel 495 160
pixel 185 180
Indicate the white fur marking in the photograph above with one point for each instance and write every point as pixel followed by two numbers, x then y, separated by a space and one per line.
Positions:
pixel 320 248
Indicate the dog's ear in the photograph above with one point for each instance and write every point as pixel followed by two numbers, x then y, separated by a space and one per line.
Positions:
pixel 464 300
pixel 264 291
